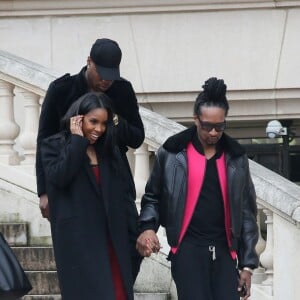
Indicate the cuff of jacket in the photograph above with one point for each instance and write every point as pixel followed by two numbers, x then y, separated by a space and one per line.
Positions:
pixel 147 225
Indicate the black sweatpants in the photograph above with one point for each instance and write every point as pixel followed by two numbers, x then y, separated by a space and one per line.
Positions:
pixel 199 275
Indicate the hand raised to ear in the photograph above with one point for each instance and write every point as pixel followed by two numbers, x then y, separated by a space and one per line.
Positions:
pixel 76 125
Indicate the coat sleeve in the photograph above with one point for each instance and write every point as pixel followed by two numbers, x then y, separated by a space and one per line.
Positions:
pixel 149 215
pixel 130 128
pixel 63 161
pixel 249 235
pixel 49 122
pixel 48 125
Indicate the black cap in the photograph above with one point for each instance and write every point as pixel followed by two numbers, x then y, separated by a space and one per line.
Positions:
pixel 106 54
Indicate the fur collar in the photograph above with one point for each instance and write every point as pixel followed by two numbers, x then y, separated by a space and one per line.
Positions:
pixel 179 142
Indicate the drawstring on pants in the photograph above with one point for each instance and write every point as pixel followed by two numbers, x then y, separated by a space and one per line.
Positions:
pixel 212 249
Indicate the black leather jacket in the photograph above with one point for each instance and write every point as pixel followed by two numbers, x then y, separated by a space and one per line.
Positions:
pixel 164 200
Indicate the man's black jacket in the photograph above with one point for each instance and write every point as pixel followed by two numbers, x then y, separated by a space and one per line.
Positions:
pixel 164 200
pixel 67 89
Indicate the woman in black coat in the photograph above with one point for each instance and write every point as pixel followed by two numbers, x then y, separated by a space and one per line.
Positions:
pixel 89 223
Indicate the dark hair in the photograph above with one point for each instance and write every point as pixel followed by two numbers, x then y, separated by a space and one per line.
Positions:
pixel 84 105
pixel 213 94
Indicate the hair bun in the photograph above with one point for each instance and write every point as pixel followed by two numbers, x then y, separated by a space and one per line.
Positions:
pixel 215 89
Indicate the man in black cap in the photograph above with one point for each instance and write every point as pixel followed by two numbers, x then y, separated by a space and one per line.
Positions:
pixel 101 74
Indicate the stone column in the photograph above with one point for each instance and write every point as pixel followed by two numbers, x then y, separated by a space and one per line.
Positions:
pixel 9 130
pixel 31 119
pixel 259 273
pixel 266 257
pixel 261 243
pixel 141 171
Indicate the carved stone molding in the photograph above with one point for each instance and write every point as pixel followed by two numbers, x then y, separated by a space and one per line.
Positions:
pixel 57 7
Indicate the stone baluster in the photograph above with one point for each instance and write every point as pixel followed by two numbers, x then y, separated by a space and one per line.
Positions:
pixel 259 273
pixel 9 130
pixel 266 258
pixel 31 118
pixel 141 170
pixel 261 243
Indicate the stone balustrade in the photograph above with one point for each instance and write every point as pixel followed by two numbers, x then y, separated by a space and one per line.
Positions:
pixel 278 199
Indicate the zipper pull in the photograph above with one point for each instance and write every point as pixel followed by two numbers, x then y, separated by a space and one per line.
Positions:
pixel 212 249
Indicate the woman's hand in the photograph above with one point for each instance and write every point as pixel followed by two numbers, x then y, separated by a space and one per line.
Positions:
pixel 76 125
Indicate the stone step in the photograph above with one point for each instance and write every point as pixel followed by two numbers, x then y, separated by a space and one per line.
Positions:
pixel 42 297
pixel 43 283
pixel 151 296
pixel 6 217
pixel 39 265
pixel 35 258
pixel 45 286
pixel 15 233
pixel 137 296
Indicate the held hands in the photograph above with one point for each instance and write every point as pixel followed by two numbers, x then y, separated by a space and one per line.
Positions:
pixel 76 125
pixel 148 243
pixel 244 284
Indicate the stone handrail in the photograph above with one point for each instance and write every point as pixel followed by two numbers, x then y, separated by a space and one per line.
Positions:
pixel 24 73
pixel 277 193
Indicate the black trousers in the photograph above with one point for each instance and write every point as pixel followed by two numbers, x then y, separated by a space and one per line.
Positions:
pixel 204 273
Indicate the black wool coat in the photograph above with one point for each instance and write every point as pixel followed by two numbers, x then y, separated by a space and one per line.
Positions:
pixel 65 90
pixel 84 217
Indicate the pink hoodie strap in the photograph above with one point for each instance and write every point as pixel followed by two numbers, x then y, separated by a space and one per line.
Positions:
pixel 221 167
pixel 196 164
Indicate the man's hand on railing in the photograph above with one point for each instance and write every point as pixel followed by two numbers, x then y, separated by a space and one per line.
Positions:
pixel 44 206
pixel 148 243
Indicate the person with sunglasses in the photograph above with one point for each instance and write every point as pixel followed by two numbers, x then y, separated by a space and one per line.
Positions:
pixel 200 190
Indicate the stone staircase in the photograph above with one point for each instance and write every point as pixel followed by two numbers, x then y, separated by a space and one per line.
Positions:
pixel 39 264
pixel 37 261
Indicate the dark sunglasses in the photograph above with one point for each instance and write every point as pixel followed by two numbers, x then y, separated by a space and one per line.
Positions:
pixel 219 127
